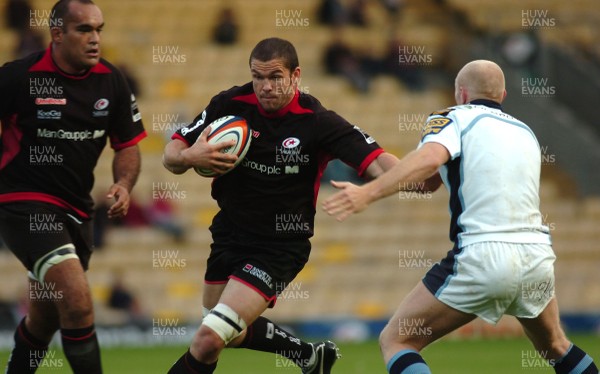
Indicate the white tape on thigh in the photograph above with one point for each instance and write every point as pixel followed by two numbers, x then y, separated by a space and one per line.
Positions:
pixel 60 254
pixel 205 312
pixel 225 322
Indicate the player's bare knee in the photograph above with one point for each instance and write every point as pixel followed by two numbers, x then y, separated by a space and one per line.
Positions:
pixel 391 337
pixel 206 345
pixel 222 323
pixel 79 314
pixel 76 306
pixel 387 337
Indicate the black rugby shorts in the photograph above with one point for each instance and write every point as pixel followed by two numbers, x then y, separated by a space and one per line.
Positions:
pixel 263 264
pixel 33 229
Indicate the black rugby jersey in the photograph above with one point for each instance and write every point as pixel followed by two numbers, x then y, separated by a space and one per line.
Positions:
pixel 273 191
pixel 55 126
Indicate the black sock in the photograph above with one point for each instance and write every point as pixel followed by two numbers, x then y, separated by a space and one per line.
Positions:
pixel 82 350
pixel 263 335
pixel 27 353
pixel 407 361
pixel 575 358
pixel 187 364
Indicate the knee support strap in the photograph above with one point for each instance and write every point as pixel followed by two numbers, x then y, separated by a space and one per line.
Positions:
pixel 54 257
pixel 225 322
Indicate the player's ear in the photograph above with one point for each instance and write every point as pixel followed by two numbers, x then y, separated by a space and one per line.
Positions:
pixel 296 75
pixel 56 34
pixel 464 95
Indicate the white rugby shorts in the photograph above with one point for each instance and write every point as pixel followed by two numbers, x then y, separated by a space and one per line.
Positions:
pixel 490 279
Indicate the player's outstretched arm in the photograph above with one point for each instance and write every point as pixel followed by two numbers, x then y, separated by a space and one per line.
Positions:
pixel 431 184
pixel 415 167
pixel 178 157
pixel 380 165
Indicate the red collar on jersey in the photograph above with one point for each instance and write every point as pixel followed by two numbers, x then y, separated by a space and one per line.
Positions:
pixel 293 107
pixel 47 64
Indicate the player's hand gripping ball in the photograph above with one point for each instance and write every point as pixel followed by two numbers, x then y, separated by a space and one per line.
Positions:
pixel 226 129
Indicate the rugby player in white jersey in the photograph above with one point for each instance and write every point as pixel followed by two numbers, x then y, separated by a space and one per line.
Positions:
pixel 490 163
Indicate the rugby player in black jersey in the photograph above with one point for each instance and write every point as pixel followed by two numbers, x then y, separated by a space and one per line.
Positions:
pixel 58 107
pixel 256 252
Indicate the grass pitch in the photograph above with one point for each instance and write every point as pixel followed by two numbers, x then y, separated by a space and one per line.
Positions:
pixel 514 355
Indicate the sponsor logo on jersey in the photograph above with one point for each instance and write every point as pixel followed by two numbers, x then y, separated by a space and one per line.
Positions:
pixel 368 139
pixel 260 274
pixel 292 169
pixel 135 113
pixel 435 125
pixel 262 168
pixel 48 114
pixel 100 105
pixel 290 152
pixel 290 142
pixel 50 101
pixel 70 135
pixel 200 122
pixel 255 134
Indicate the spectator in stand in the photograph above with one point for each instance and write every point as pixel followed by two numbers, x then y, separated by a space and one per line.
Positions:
pixel 357 13
pixel 17 15
pixel 122 298
pixel 18 18
pixel 340 59
pixel 521 50
pixel 400 65
pixel 160 214
pixel 394 7
pixel 225 32
pixel 30 41
pixel 331 12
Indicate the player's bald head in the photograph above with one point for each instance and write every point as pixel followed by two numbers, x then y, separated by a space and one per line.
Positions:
pixel 480 79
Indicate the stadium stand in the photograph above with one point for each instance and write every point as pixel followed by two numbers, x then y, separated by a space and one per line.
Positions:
pixel 356 268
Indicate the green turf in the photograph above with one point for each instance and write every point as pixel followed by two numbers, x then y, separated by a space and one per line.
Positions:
pixel 447 357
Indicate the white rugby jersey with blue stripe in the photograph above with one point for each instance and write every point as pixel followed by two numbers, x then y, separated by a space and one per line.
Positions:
pixel 493 174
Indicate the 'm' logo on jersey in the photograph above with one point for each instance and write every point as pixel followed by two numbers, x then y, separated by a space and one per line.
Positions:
pixel 290 142
pixel 295 169
pixel 435 125
pixel 100 107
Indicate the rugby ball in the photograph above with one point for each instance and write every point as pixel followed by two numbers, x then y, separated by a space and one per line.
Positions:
pixel 225 129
